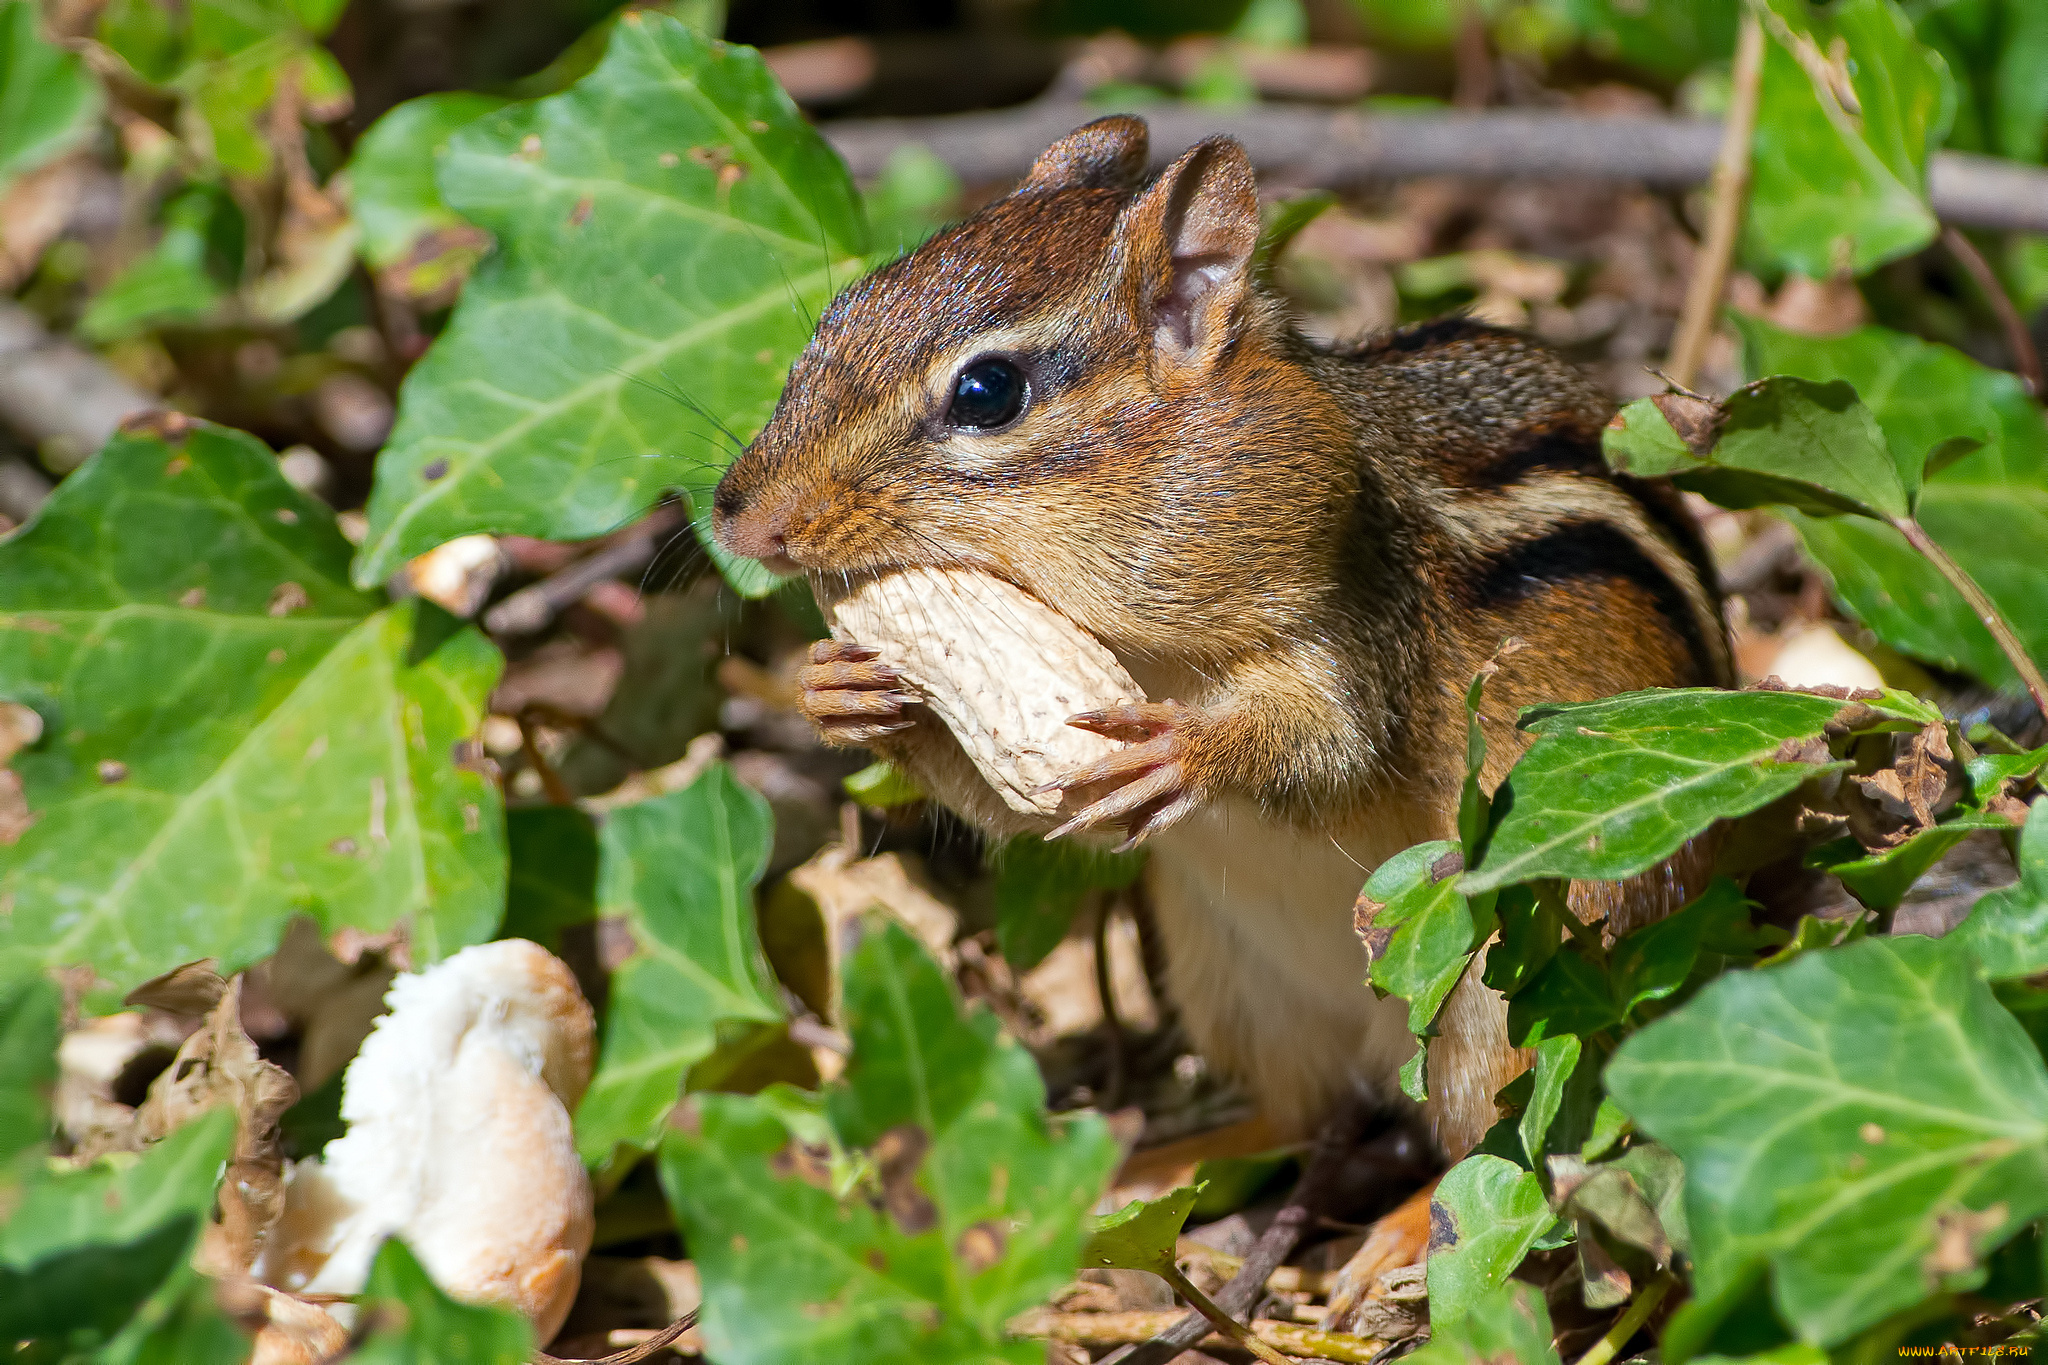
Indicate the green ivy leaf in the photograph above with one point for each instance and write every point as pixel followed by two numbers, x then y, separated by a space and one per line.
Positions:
pixel 1655 960
pixel 1610 788
pixel 411 1322
pixel 2007 930
pixel 1840 183
pixel 1921 394
pixel 1610 1125
pixel 1818 1138
pixel 1475 808
pixel 681 871
pixel 1562 1098
pixel 391 187
pixel 552 881
pixel 916 194
pixel 1142 1234
pixel 226 60
pixel 233 734
pixel 972 1212
pixel 1414 1074
pixel 1532 929
pixel 1669 40
pixel 1424 931
pixel 883 785
pixel 145 35
pixel 182 1322
pixel 1569 996
pixel 1781 441
pixel 48 102
pixel 1881 880
pixel 1486 1214
pixel 1988 510
pixel 176 281
pixel 1996 50
pixel 31 1025
pixel 1040 886
pixel 665 228
pixel 1508 1325
pixel 82 1251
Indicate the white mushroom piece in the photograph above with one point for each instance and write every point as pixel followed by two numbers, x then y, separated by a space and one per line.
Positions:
pixel 458 1141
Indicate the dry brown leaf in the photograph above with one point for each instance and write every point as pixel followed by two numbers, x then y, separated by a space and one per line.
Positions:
pixel 1893 804
pixel 1818 307
pixel 15 816
pixel 34 210
pixel 332 1004
pixel 1956 1234
pixel 813 918
pixel 458 575
pixel 1062 989
pixel 290 1331
pixel 20 726
pixel 193 988
pixel 219 1065
pixel 90 1059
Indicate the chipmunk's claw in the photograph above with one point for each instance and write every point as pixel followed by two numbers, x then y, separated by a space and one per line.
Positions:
pixel 850 697
pixel 1133 722
pixel 1150 783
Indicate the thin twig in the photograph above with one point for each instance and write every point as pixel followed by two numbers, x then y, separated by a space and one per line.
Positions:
pixel 1123 1328
pixel 557 718
pixel 1986 610
pixel 54 391
pixel 632 1355
pixel 1724 223
pixel 532 607
pixel 1338 1136
pixel 1105 990
pixel 1474 60
pixel 1631 1322
pixel 2026 358
pixel 1226 1324
pixel 1341 148
pixel 551 782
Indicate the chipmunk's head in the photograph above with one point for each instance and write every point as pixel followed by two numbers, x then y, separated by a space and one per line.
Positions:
pixel 1031 389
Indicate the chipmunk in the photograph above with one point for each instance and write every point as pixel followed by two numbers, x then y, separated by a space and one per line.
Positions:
pixel 1086 388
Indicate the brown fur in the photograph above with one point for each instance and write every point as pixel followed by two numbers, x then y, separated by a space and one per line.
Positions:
pixel 1311 549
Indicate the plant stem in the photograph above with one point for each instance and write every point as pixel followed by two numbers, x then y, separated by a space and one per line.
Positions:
pixel 1105 990
pixel 2026 359
pixel 1630 1322
pixel 1226 1324
pixel 1986 610
pixel 1724 221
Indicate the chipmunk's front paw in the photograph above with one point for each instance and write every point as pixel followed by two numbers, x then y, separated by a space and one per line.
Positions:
pixel 1152 783
pixel 851 696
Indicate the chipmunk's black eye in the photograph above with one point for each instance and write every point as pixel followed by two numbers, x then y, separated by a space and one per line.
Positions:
pixel 988 393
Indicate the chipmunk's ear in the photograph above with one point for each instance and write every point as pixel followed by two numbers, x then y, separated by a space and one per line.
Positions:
pixel 1187 243
pixel 1108 154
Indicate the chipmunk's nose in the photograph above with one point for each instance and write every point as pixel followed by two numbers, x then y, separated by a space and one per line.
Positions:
pixel 755 527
